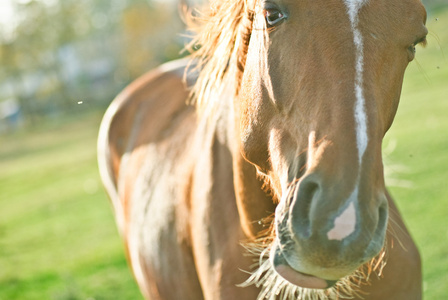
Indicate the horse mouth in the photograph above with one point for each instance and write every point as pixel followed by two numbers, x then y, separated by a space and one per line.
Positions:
pixel 284 270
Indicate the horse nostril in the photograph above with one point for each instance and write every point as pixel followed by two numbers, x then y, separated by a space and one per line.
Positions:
pixel 379 233
pixel 384 213
pixel 383 217
pixel 306 191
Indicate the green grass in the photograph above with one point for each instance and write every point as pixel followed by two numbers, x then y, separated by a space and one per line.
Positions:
pixel 420 133
pixel 58 239
pixel 57 234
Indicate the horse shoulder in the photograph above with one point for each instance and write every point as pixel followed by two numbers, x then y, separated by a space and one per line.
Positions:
pixel 143 114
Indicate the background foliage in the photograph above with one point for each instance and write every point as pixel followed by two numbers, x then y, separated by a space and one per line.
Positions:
pixel 57 234
pixel 62 52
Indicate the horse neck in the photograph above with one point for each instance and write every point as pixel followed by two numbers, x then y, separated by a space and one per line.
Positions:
pixel 254 204
pixel 219 123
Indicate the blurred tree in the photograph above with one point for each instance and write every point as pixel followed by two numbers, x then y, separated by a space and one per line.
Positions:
pixel 31 60
pixel 66 51
pixel 149 31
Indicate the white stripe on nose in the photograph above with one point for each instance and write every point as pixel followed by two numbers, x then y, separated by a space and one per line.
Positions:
pixel 345 223
pixel 353 7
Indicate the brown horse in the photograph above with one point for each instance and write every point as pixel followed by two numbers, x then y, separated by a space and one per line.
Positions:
pixel 281 153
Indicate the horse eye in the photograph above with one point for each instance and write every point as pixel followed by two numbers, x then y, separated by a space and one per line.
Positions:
pixel 273 16
pixel 423 42
pixel 412 48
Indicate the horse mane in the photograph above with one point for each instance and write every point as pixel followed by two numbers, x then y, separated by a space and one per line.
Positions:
pixel 220 42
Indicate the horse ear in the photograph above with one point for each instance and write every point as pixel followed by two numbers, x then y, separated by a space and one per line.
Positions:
pixel 185 3
pixel 185 12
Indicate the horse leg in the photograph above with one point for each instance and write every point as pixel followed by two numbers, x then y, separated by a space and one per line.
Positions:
pixel 219 257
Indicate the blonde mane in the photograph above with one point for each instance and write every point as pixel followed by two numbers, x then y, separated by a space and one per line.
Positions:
pixel 222 32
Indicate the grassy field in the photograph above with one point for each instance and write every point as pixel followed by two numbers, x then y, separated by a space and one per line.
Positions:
pixel 420 157
pixel 58 239
pixel 57 235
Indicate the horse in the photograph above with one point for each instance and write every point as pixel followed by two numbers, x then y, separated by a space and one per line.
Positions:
pixel 253 169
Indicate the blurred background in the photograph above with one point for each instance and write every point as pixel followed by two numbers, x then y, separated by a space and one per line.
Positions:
pixel 55 54
pixel 61 64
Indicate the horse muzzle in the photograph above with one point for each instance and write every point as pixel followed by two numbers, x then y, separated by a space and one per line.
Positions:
pixel 319 241
pixel 296 277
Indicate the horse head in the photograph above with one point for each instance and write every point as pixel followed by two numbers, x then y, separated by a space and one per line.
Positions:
pixel 320 88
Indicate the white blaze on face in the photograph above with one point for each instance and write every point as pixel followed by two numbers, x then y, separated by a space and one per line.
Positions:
pixel 345 223
pixel 353 7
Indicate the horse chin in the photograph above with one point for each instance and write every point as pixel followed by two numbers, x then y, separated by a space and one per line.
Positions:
pixel 284 270
pixel 301 279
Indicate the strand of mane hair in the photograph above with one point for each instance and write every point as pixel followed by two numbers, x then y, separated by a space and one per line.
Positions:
pixel 221 34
